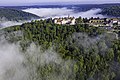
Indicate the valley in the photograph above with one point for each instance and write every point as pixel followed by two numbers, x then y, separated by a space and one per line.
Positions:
pixel 60 42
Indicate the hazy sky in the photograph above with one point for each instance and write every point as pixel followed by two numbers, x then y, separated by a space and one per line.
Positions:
pixel 23 2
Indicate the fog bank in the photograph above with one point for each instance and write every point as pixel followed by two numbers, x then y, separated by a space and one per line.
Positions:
pixel 36 64
pixel 4 24
pixel 11 62
pixel 54 12
pixel 9 23
pixel 31 64
pixel 61 12
pixel 100 44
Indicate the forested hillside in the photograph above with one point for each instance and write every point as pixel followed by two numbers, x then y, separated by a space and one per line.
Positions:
pixel 7 14
pixel 94 53
pixel 113 10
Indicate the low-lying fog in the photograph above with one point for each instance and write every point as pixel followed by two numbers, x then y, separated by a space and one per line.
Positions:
pixel 9 23
pixel 59 12
pixel 18 65
pixel 55 12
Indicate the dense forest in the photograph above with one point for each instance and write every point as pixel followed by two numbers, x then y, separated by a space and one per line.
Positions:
pixel 7 14
pixel 113 11
pixel 94 52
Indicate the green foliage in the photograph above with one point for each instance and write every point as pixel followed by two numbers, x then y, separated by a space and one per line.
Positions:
pixel 88 63
pixel 15 15
pixel 111 10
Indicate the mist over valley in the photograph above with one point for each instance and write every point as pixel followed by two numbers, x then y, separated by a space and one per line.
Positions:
pixel 60 42
pixel 46 11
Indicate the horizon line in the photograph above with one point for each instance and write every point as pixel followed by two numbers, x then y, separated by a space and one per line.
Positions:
pixel 56 3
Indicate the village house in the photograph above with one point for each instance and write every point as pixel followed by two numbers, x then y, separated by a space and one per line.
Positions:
pixel 114 20
pixel 97 22
pixel 109 22
pixel 119 23
pixel 65 20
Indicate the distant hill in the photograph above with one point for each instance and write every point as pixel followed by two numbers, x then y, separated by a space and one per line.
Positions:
pixel 111 10
pixel 15 15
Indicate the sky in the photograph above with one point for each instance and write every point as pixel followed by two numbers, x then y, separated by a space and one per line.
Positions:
pixel 30 2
